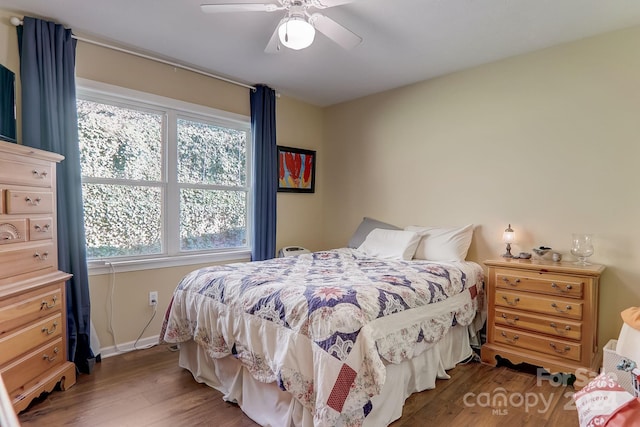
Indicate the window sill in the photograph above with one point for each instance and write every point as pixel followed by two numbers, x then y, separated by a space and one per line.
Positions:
pixel 98 267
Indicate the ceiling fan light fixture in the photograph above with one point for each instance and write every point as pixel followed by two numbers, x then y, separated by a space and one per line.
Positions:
pixel 296 33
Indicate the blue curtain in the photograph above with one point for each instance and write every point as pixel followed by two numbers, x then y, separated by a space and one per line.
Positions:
pixel 50 122
pixel 265 172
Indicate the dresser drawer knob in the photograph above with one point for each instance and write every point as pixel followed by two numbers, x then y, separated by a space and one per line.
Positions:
pixel 559 310
pixel 558 288
pixel 511 340
pixel 560 331
pixel 51 358
pixel 43 229
pixel 46 306
pixel 507 280
pixel 52 330
pixel 509 321
pixel 557 350
pixel 42 257
pixel 33 202
pixel 39 175
pixel 514 302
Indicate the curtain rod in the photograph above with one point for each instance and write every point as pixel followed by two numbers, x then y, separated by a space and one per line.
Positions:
pixel 17 22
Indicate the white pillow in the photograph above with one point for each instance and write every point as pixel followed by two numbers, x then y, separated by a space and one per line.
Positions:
pixel 443 244
pixel 390 244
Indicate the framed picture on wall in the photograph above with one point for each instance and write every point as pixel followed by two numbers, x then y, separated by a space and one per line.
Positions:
pixel 296 170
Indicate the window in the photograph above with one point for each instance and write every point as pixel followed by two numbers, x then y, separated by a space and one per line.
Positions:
pixel 162 178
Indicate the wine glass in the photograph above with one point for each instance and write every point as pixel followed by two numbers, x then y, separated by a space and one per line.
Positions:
pixel 582 247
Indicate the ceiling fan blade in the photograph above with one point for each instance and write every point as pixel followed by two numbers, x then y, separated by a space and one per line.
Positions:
pixel 274 42
pixel 323 4
pixel 336 32
pixel 239 7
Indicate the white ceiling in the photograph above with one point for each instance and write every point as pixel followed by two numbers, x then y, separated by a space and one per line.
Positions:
pixel 404 41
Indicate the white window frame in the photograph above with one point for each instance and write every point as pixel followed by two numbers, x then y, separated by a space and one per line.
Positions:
pixel 172 109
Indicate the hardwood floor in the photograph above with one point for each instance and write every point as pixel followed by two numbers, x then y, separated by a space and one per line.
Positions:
pixel 147 388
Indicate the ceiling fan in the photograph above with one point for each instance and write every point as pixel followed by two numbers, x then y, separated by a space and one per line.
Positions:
pixel 296 30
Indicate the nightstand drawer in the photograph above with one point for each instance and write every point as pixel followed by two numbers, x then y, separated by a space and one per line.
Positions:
pixel 540 304
pixel 542 344
pixel 30 337
pixel 536 323
pixel 544 283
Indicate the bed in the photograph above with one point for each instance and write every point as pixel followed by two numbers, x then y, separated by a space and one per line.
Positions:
pixel 331 338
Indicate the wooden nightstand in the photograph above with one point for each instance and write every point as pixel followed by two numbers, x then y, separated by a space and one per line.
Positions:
pixel 543 313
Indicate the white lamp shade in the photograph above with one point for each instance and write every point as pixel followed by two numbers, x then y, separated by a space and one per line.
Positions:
pixel 509 237
pixel 296 33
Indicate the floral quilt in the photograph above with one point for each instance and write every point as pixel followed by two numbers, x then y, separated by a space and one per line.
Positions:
pixel 323 325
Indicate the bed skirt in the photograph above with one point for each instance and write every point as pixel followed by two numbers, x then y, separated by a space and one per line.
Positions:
pixel 268 405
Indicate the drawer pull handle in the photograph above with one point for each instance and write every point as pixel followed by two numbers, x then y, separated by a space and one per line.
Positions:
pixel 42 257
pixel 46 306
pixel 33 202
pixel 559 310
pixel 558 288
pixel 560 331
pixel 52 330
pixel 557 350
pixel 51 358
pixel 514 302
pixel 511 340
pixel 514 283
pixel 43 229
pixel 509 321
pixel 40 175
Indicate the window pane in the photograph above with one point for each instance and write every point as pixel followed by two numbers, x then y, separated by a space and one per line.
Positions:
pixel 212 219
pixel 117 142
pixel 122 220
pixel 209 154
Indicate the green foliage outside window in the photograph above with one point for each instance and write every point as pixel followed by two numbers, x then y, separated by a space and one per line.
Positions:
pixel 125 187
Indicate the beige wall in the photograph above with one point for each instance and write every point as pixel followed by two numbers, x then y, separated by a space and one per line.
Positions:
pixel 546 141
pixel 299 215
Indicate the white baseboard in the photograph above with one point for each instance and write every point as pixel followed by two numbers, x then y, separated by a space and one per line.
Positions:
pixel 128 346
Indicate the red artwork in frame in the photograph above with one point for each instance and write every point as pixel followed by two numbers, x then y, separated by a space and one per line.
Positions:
pixel 296 170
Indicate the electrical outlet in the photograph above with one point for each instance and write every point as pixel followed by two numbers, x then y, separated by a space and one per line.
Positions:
pixel 153 298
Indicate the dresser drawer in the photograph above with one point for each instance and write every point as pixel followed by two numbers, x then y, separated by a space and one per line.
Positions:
pixel 562 307
pixel 537 323
pixel 32 336
pixel 28 202
pixel 21 309
pixel 40 228
pixel 539 343
pixel 13 231
pixel 32 365
pixel 544 283
pixel 25 174
pixel 28 260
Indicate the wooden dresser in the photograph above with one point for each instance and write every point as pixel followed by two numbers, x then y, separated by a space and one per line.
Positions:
pixel 543 313
pixel 33 324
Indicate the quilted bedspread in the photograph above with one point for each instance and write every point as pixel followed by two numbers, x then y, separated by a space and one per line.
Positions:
pixel 323 325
